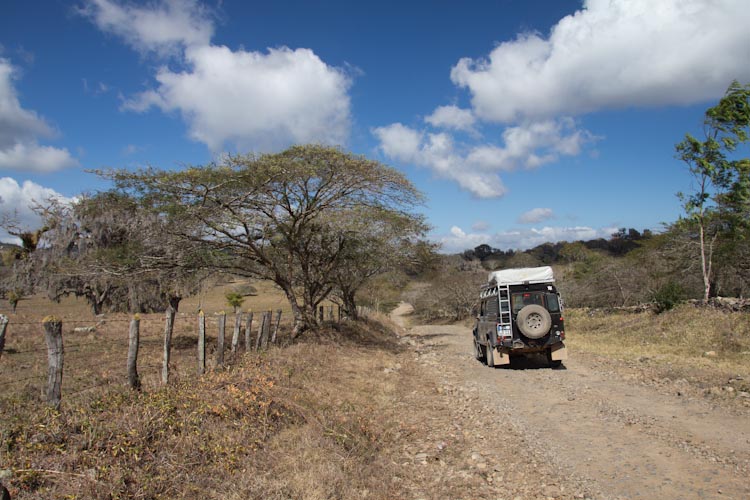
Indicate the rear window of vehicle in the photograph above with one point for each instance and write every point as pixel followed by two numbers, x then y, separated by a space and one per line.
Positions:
pixel 521 300
pixel 547 300
pixel 553 304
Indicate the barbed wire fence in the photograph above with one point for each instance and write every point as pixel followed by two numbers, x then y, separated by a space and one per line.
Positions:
pixel 80 359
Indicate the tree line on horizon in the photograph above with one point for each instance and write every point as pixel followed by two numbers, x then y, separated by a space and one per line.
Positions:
pixel 620 243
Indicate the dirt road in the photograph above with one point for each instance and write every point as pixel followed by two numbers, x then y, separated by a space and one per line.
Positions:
pixel 587 430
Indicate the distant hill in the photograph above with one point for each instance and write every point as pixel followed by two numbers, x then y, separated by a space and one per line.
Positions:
pixel 621 242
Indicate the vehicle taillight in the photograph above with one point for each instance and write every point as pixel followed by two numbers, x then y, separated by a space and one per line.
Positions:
pixel 562 335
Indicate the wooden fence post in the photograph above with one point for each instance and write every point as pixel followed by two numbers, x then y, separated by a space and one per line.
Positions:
pixel 236 332
pixel 53 337
pixel 248 332
pixel 220 341
pixel 3 327
pixel 266 329
pixel 168 328
pixel 201 342
pixel 133 340
pixel 276 328
pixel 261 329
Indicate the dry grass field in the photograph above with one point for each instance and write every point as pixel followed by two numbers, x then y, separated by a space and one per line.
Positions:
pixel 96 358
pixel 297 421
pixel 703 345
pixel 341 413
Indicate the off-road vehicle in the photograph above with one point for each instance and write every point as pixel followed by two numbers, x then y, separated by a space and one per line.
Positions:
pixel 520 313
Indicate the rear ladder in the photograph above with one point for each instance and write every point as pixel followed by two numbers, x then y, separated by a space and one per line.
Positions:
pixel 504 319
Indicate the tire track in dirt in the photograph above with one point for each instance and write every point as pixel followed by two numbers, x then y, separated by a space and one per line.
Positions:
pixel 625 439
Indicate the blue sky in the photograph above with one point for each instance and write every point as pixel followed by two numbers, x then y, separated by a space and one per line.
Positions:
pixel 522 121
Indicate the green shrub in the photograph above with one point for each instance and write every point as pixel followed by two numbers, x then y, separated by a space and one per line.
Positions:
pixel 667 297
pixel 14 296
pixel 235 300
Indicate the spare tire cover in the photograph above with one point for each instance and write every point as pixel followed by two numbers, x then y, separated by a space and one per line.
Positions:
pixel 534 321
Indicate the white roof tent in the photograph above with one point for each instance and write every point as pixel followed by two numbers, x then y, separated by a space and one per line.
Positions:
pixel 521 276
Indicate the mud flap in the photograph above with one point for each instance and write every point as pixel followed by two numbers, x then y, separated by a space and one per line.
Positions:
pixel 558 352
pixel 500 357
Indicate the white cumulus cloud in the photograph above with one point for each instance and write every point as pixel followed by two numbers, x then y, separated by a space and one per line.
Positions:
pixel 437 152
pixel 532 144
pixel 536 215
pixel 164 28
pixel 452 117
pixel 241 98
pixel 21 129
pixel 399 141
pixel 30 156
pixel 611 54
pixel 16 123
pixel 476 167
pixel 17 200
pixel 251 99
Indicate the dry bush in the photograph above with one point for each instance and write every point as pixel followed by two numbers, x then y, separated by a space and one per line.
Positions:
pixel 336 452
pixel 174 441
pixel 453 293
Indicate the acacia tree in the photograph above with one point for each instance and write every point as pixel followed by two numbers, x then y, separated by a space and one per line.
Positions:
pixel 378 241
pixel 718 174
pixel 110 251
pixel 275 216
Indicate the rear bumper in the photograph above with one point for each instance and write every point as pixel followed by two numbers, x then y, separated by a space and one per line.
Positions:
pixel 558 350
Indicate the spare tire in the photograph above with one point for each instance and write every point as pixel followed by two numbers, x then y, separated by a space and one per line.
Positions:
pixel 534 321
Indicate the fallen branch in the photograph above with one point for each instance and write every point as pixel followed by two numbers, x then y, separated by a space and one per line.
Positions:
pixel 48 471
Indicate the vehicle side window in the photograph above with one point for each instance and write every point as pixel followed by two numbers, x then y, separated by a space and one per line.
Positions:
pixel 492 306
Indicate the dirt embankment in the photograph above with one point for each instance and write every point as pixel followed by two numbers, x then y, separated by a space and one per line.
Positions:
pixel 594 429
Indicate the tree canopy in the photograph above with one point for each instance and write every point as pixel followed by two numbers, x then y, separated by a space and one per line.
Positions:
pixel 719 205
pixel 297 218
pixel 110 250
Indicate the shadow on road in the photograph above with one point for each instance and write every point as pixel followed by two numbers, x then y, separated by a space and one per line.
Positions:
pixel 529 363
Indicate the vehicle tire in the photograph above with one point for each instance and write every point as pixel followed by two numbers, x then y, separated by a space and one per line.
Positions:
pixel 534 321
pixel 490 357
pixel 553 363
pixel 478 351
